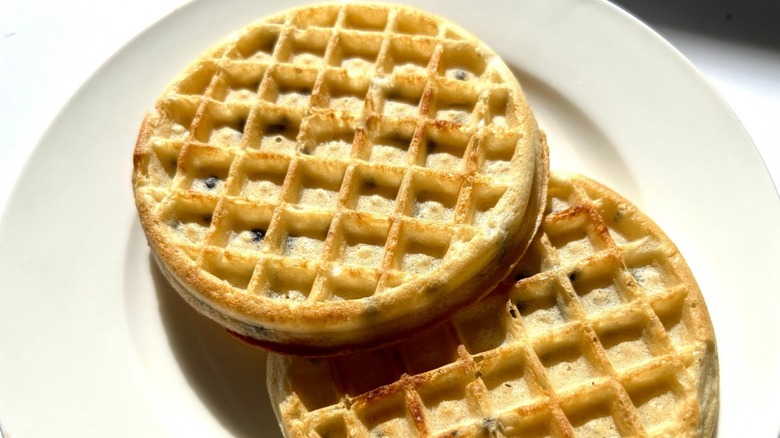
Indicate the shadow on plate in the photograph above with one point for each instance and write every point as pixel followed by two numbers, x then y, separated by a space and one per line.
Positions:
pixel 227 375
pixel 752 22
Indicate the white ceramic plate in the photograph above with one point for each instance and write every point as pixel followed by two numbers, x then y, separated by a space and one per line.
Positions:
pixel 93 342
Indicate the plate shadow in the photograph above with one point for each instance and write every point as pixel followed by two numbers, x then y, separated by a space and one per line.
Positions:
pixel 227 374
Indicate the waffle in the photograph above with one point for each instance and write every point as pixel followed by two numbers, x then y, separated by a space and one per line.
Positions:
pixel 338 175
pixel 601 331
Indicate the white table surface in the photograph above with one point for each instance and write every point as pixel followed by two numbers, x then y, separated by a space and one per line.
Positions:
pixel 48 49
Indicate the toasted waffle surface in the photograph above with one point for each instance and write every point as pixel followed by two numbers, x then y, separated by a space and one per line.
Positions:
pixel 601 331
pixel 337 175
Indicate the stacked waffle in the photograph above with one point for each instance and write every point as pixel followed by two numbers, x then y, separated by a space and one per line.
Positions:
pixel 361 182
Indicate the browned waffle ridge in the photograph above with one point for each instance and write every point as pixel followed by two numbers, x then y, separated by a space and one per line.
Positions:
pixel 601 331
pixel 338 175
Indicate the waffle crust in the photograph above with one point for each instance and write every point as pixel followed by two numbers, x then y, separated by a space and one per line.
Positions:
pixel 339 175
pixel 600 331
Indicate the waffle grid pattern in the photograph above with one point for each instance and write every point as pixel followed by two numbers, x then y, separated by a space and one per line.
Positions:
pixel 601 335
pixel 280 170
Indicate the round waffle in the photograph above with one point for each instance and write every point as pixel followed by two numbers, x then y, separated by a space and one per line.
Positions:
pixel 338 175
pixel 601 331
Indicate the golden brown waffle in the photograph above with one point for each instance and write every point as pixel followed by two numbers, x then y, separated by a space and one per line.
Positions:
pixel 604 333
pixel 338 175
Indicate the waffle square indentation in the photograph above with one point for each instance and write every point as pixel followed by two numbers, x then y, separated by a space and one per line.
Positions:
pixel 222 125
pixel 304 234
pixel 598 289
pixel 485 327
pixel 236 270
pixel 290 87
pixel 305 47
pixel 593 420
pixel 335 426
pixel 199 79
pixel 657 402
pixel 652 274
pixel 497 152
pixel 403 102
pixel 356 52
pixel 486 198
pixel 461 62
pixel 288 282
pixel 544 310
pixel 415 24
pixel 328 138
pixel 572 244
pixel 258 44
pixel 422 250
pixel 444 150
pixel 278 134
pixel 435 199
pixel 626 345
pixel 505 381
pixel 363 243
pixel 530 426
pixel 325 17
pixel 263 178
pixel 349 283
pixel 239 84
pixel 177 118
pixel 190 220
pixel 454 104
pixel 407 56
pixel 391 146
pixel 675 320
pixel 446 402
pixel 227 133
pixel 162 164
pixel 558 199
pixel 207 169
pixel 365 17
pixel 243 228
pixel 501 112
pixel 317 185
pixel 345 96
pixel 620 223
pixel 377 193
pixel 567 364
pixel 387 417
